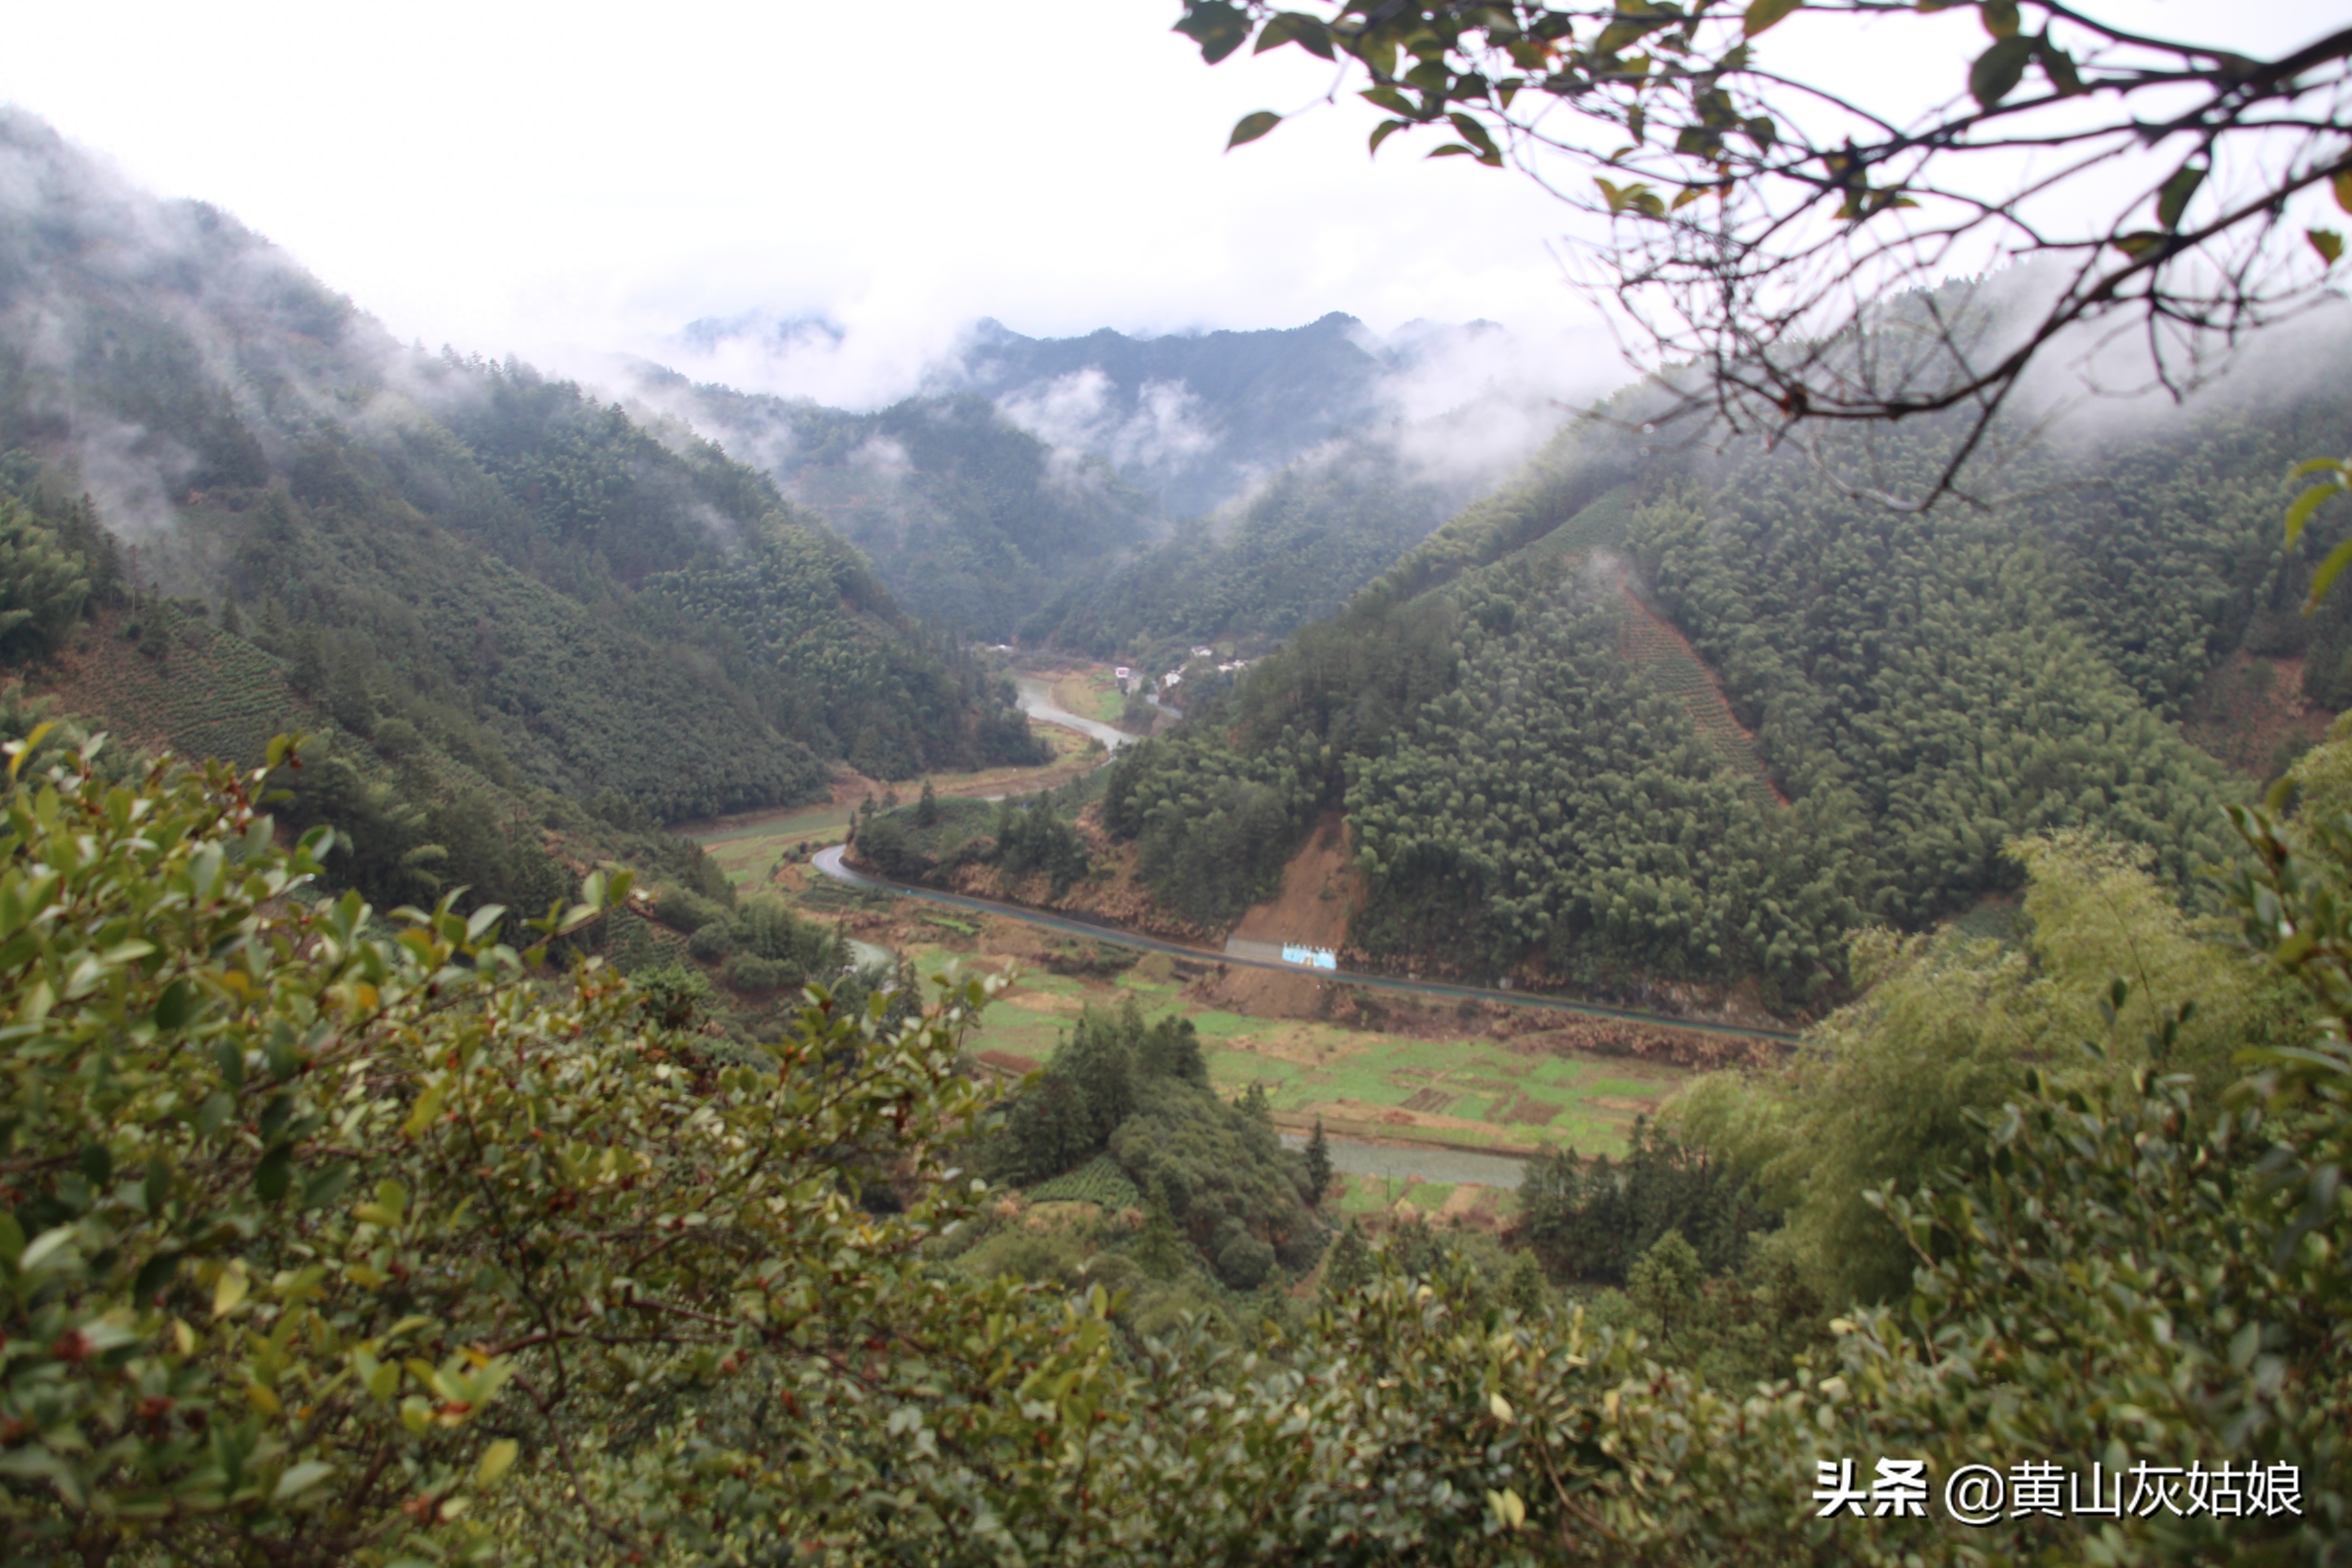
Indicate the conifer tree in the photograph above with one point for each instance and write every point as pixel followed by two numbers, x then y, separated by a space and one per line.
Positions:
pixel 1318 1165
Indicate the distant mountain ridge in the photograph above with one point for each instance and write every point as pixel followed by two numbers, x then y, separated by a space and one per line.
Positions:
pixel 1035 483
pixel 1190 419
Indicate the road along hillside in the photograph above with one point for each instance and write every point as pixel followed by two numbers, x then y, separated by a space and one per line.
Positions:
pixel 829 862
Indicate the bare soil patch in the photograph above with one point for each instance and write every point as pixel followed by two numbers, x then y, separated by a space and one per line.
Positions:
pixel 1044 1002
pixel 1265 994
pixel 1321 891
pixel 1295 1045
pixel 2251 714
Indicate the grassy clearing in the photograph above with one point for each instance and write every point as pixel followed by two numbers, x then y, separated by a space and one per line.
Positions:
pixel 1091 693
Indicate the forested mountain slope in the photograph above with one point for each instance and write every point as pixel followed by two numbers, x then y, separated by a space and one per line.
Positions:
pixel 1529 795
pixel 518 577
pixel 1293 551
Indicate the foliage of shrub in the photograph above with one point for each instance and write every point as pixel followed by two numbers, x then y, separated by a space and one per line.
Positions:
pixel 1139 1094
pixel 750 971
pixel 281 1188
pixel 1099 1180
pixel 682 910
pixel 715 943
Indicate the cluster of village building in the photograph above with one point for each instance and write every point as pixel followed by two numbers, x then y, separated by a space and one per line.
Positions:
pixel 1132 680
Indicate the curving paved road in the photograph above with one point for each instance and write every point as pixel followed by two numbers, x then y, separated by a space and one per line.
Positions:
pixel 1037 701
pixel 829 862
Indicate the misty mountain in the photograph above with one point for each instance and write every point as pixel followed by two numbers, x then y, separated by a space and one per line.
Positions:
pixel 1063 489
pixel 477 552
pixel 1295 549
pixel 972 522
pixel 1191 419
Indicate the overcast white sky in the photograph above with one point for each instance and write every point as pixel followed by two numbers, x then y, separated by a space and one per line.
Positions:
pixel 547 178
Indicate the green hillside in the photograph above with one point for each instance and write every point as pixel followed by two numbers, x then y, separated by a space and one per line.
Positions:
pixel 468 551
pixel 1818 713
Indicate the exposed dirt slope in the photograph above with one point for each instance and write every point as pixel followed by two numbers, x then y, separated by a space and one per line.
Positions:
pixel 1321 891
pixel 2252 714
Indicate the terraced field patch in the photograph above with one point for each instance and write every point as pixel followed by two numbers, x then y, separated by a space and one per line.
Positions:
pixel 211 695
pixel 1659 651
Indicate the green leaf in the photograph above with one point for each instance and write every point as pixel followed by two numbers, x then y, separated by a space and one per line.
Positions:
pixel 176 1006
pixel 97 1162
pixel 1998 70
pixel 300 1478
pixel 2058 65
pixel 1763 14
pixel 216 1111
pixel 1475 134
pixel 2138 243
pixel 325 1186
pixel 2000 18
pixel 2172 197
pixel 2329 570
pixel 1384 130
pixel 1218 27
pixel 1250 127
pixel 496 1460
pixel 232 1063
pixel 275 1174
pixel 17 753
pixel 2327 242
pixel 427 1107
pixel 156 1274
pixel 2299 514
pixel 1290 27
pixel 43 1247
pixel 230 1289
pixel 2342 185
